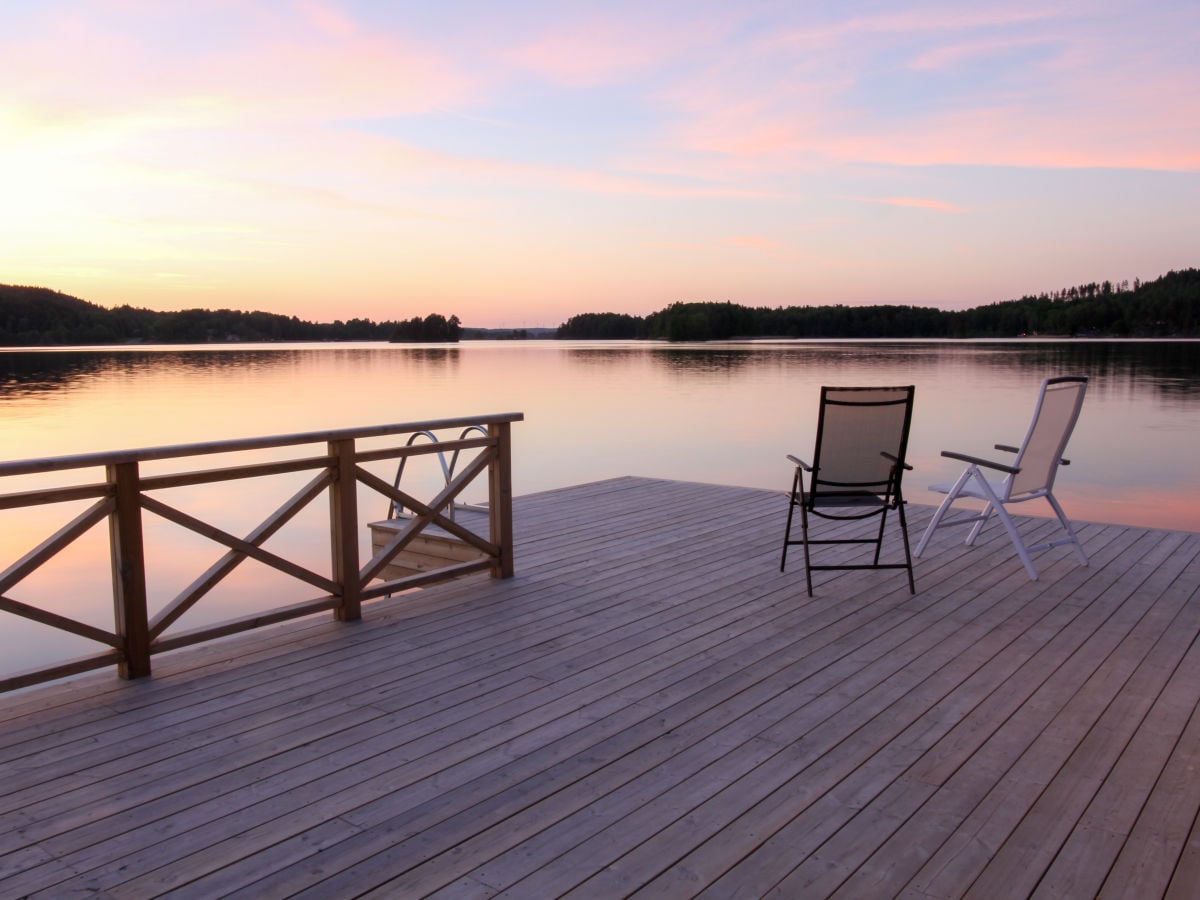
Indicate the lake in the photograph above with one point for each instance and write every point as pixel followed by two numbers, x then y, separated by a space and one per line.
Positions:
pixel 723 413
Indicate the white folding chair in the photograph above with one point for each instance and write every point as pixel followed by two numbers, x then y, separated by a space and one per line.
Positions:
pixel 1029 476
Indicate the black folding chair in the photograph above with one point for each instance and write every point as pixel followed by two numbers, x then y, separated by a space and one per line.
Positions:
pixel 858 466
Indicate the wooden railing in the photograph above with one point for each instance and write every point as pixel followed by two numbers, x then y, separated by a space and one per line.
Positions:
pixel 124 496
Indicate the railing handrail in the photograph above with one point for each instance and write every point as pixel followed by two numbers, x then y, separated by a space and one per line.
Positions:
pixel 235 445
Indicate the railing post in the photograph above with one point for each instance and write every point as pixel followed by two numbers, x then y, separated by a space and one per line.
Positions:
pixel 343 529
pixel 129 570
pixel 500 499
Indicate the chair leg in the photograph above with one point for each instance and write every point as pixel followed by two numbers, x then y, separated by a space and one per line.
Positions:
pixel 1066 523
pixel 796 498
pixel 787 534
pixel 994 505
pixel 1022 551
pixel 787 531
pixel 944 508
pixel 984 515
pixel 912 585
pixel 807 556
pixel 879 537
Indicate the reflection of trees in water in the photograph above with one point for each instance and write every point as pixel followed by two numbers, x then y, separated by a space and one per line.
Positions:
pixel 818 356
pixel 1169 367
pixel 604 355
pixel 37 372
pixel 682 360
pixel 692 361
pixel 24 372
pixel 433 357
pixel 701 359
pixel 1165 367
pixel 33 373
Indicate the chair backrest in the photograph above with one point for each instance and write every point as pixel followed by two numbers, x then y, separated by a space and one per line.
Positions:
pixel 855 427
pixel 1054 419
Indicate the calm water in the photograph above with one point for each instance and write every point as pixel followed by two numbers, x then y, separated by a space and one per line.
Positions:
pixel 715 413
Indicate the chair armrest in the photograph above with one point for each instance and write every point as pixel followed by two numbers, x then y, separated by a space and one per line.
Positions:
pixel 1061 462
pixel 975 460
pixel 894 459
pixel 801 463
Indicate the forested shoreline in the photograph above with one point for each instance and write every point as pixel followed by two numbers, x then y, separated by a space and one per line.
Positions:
pixel 1169 306
pixel 40 317
pixel 1166 307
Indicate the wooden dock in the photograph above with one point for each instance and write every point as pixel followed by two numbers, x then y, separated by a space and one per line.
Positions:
pixel 649 707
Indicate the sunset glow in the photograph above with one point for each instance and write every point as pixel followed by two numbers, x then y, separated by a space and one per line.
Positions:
pixel 516 164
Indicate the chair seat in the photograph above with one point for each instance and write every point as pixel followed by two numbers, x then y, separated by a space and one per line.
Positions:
pixel 968 490
pixel 840 500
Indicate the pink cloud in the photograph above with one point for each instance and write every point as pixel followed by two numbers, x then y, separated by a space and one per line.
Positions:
pixel 764 245
pixel 1089 96
pixel 1022 137
pixel 1104 122
pixel 613 48
pixel 316 65
pixel 595 181
pixel 933 20
pixel 328 19
pixel 583 55
pixel 915 203
pixel 956 54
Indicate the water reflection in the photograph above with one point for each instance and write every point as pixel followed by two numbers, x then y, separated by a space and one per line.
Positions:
pixel 34 371
pixel 602 355
pixel 26 371
pixel 1160 366
pixel 431 357
pixel 693 362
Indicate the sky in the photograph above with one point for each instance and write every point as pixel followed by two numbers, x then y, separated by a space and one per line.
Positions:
pixel 519 163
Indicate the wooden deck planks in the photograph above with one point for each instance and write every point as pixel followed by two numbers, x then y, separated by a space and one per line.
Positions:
pixel 650 706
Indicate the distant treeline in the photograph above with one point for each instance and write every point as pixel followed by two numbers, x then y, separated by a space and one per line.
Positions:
pixel 39 317
pixel 1166 307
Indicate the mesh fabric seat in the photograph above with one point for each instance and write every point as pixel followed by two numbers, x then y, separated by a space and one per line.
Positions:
pixel 857 470
pixel 1028 476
